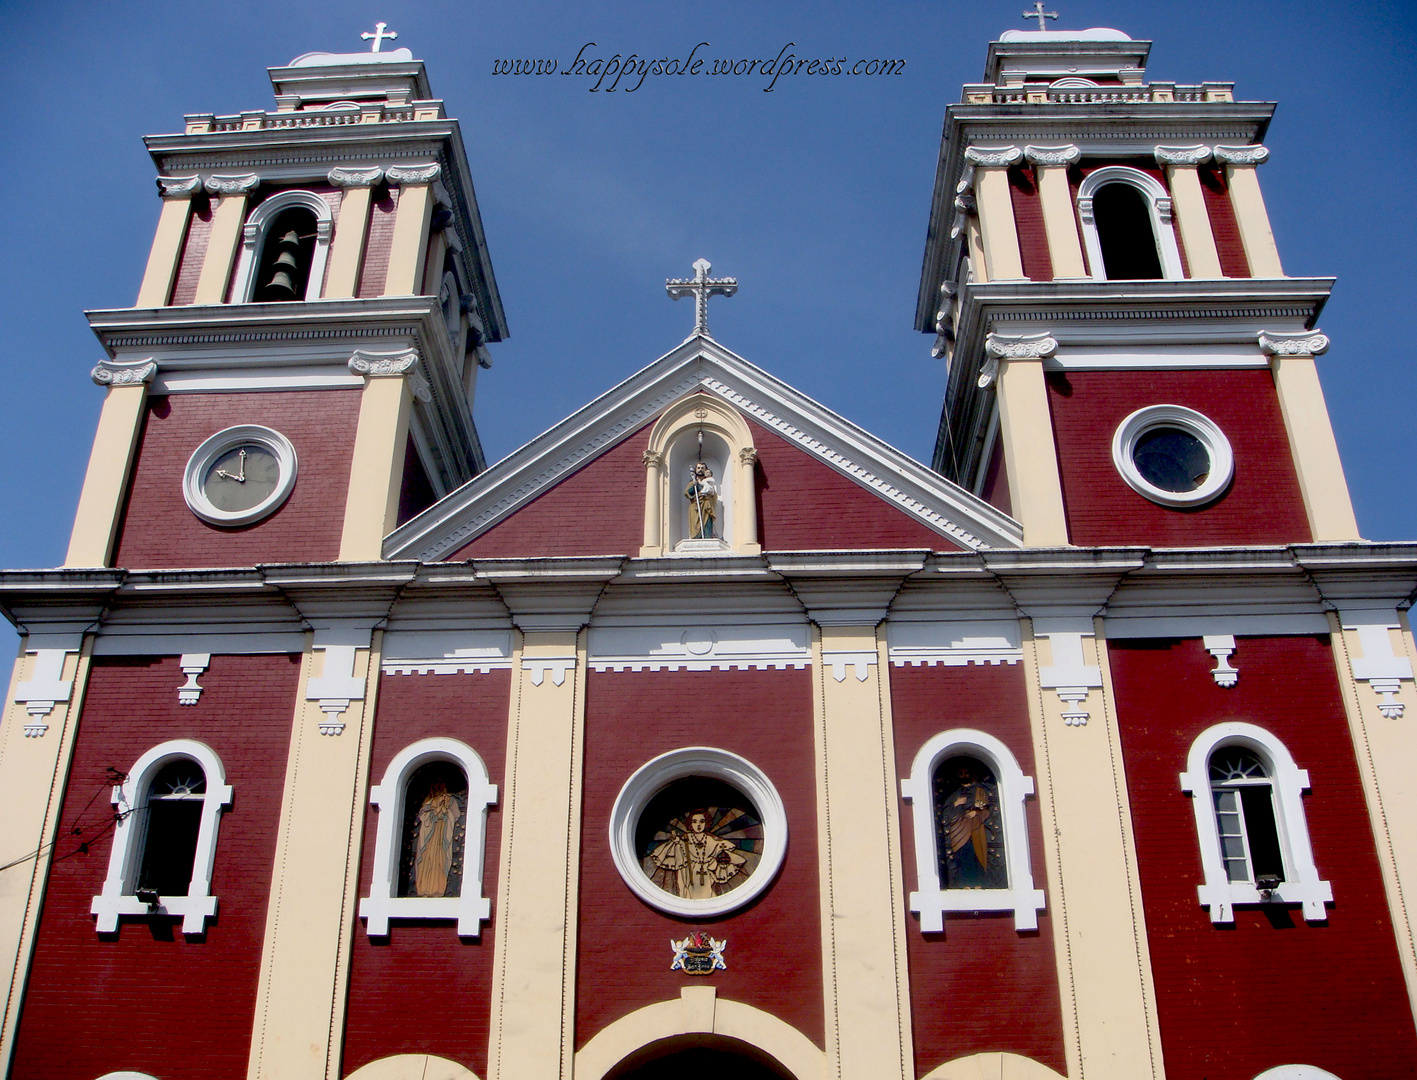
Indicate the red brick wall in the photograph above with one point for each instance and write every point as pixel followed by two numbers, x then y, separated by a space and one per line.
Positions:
pixel 158 530
pixel 146 998
pixel 424 990
pixel 774 951
pixel 1009 979
pixel 194 250
pixel 1223 225
pixel 416 492
pixel 1028 221
pixel 1263 504
pixel 378 242
pixel 996 482
pixel 1235 1000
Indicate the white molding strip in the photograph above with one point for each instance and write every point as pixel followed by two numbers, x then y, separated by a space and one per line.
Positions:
pixel 446 652
pixel 686 646
pixel 954 644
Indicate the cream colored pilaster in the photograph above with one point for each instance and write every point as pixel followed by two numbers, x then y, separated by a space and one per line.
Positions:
pixel 227 220
pixel 1374 652
pixel 975 240
pixel 433 271
pixel 409 247
pixel 110 461
pixel 1188 207
pixel 347 247
pixel 1301 401
pixel 311 920
pixel 653 546
pixel 1056 198
pixel 532 1033
pixel 996 209
pixel 40 719
pixel 1094 895
pixel 1250 214
pixel 177 195
pixel 864 977
pixel 1026 431
pixel 380 442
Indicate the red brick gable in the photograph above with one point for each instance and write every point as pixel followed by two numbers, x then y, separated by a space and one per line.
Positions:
pixel 802 505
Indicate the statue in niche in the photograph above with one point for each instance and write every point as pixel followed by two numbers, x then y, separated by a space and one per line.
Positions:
pixel 433 852
pixel 968 826
pixel 706 853
pixel 702 494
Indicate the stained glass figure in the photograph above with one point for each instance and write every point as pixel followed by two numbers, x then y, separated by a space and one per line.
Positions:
pixel 699 838
pixel 969 827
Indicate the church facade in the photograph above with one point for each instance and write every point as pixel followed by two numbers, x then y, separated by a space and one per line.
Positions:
pixel 706 734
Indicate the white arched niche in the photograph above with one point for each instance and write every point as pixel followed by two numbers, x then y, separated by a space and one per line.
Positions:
pixel 1158 204
pixel 693 427
pixel 253 239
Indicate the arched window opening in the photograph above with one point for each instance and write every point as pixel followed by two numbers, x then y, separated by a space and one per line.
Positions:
pixel 969 825
pixel 1124 232
pixel 434 831
pixel 287 255
pixel 173 812
pixel 1244 815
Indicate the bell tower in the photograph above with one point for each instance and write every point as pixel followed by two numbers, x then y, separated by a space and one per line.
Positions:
pixel 298 373
pixel 1127 361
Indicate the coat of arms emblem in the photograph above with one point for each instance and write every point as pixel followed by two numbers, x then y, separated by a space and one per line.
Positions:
pixel 698 954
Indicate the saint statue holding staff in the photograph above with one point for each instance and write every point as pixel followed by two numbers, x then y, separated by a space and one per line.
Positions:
pixel 702 494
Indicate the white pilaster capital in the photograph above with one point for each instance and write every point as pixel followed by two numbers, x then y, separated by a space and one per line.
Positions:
pixel 653 459
pixel 1020 346
pixel 1241 155
pixel 124 372
pixel 413 174
pixel 382 364
pixel 1182 155
pixel 993 157
pixel 178 187
pixel 420 387
pixel 1053 155
pixel 243 184
pixel 356 178
pixel 1307 343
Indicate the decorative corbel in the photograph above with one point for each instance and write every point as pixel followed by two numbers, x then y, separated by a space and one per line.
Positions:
pixel 1306 343
pixel 999 347
pixel 860 661
pixel 1182 155
pixel 1069 676
pixel 124 372
pixel 413 174
pixel 539 666
pixel 1241 155
pixel 383 364
pixel 356 178
pixel 993 157
pixel 243 184
pixel 178 187
pixel 192 664
pixel 1067 154
pixel 1221 646
pixel 1379 666
pixel 337 687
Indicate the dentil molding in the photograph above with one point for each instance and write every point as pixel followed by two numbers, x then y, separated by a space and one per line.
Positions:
pixel 356 178
pixel 233 185
pixel 1306 343
pixel 124 372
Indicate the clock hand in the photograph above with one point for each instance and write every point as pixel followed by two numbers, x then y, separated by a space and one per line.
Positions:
pixel 241 478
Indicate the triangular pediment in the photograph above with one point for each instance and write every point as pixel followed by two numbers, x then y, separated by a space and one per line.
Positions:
pixel 701 365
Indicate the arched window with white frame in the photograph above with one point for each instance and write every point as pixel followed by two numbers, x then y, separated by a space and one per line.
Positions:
pixel 1126 226
pixel 966 794
pixel 164 842
pixel 1248 794
pixel 285 245
pixel 431 838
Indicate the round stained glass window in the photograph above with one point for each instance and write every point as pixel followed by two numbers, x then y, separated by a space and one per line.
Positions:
pixel 1172 459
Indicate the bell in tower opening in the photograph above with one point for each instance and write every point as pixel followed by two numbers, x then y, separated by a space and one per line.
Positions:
pixel 284 270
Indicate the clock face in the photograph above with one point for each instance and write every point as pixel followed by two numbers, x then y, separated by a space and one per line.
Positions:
pixel 242 477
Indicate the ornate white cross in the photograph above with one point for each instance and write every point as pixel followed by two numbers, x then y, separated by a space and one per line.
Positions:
pixel 380 35
pixel 1037 13
pixel 701 287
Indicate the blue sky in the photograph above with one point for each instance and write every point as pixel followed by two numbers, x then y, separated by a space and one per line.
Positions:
pixel 815 195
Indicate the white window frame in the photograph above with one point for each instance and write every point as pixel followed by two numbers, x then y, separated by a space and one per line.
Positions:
pixel 125 859
pixel 1289 782
pixel 470 908
pixel 202 459
pixel 1296 1072
pixel 706 761
pixel 931 899
pixel 1222 457
pixel 253 239
pixel 1158 203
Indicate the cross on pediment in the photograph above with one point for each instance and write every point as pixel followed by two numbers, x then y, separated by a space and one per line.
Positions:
pixel 1039 14
pixel 380 35
pixel 701 287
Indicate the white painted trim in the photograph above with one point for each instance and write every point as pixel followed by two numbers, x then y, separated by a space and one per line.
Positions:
pixel 931 899
pixel 1222 458
pixel 287 378
pixel 953 644
pixel 1180 357
pixel 129 834
pixel 253 237
pixel 653 777
pixel 412 1067
pixel 1379 666
pixel 383 903
pixel 203 457
pixel 1199 626
pixel 126 1075
pixel 230 643
pixel 446 652
pixel 1296 1072
pixel 695 646
pixel 1289 782
pixel 1158 203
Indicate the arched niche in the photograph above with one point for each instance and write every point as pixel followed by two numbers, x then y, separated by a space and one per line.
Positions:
pixel 999 1065
pixel 412 1067
pixel 674 447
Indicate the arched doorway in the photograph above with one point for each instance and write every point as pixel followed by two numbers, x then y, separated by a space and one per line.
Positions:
pixel 698 1057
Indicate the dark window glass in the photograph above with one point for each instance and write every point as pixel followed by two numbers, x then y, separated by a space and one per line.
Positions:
pixel 1172 459
pixel 434 831
pixel 1124 233
pixel 174 817
pixel 284 269
pixel 969 826
pixel 1244 813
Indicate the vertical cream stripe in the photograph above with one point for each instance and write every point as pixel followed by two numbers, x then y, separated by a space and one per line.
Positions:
pixel 1060 222
pixel 1188 205
pixel 166 250
pixel 409 245
pixel 106 481
pixel 225 239
pixel 1311 441
pixel 1030 457
pixel 996 222
pixel 347 247
pixel 1253 219
pixel 376 467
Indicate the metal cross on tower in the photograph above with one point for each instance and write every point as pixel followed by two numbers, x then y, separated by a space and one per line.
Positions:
pixel 380 35
pixel 1037 13
pixel 701 287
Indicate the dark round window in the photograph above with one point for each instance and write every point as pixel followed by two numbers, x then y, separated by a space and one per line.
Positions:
pixel 1171 459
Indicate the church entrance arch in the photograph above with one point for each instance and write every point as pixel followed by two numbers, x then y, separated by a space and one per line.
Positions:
pixel 699 1057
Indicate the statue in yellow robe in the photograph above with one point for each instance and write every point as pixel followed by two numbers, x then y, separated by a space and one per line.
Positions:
pixel 702 494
